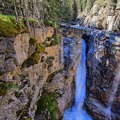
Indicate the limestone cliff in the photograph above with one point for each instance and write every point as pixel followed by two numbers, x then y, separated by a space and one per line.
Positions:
pixel 102 14
pixel 36 75
pixel 103 76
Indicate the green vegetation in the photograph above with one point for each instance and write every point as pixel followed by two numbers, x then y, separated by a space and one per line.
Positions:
pixel 34 22
pixel 52 41
pixel 40 48
pixel 56 41
pixel 6 87
pixel 49 103
pixel 49 61
pixel 9 27
pixel 34 58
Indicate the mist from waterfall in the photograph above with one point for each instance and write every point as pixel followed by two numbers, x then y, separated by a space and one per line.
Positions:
pixel 76 112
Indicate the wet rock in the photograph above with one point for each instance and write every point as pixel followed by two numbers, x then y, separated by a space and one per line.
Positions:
pixel 102 65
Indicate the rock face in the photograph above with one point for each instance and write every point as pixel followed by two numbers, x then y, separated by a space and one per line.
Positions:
pixel 103 76
pixel 42 33
pixel 22 86
pixel 104 14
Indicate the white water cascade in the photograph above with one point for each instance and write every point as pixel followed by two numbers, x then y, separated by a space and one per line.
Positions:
pixel 77 112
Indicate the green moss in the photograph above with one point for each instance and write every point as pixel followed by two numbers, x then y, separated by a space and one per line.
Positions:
pixel 6 87
pixel 40 48
pixel 52 41
pixel 49 61
pixel 32 41
pixel 31 61
pixel 34 58
pixel 48 101
pixel 49 23
pixel 1 73
pixel 8 26
pixel 33 22
pixel 56 41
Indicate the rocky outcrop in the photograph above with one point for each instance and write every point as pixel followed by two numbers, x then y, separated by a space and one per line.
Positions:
pixel 103 71
pixel 42 33
pixel 103 15
pixel 23 84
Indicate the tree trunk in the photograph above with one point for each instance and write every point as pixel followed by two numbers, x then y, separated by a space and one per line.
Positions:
pixel 16 15
pixel 26 15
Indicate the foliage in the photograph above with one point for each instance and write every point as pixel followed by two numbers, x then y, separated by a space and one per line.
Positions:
pixel 34 22
pixel 56 41
pixel 37 12
pixel 52 41
pixel 34 58
pixel 40 48
pixel 49 61
pixel 49 103
pixel 6 87
pixel 8 26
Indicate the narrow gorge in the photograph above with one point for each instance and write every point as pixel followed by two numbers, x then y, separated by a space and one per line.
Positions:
pixel 60 60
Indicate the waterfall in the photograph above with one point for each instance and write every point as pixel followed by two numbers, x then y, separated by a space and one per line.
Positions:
pixel 76 112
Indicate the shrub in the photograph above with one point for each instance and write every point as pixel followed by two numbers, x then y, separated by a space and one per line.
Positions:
pixel 49 61
pixel 56 41
pixel 40 48
pixel 6 87
pixel 48 101
pixel 31 61
pixel 34 58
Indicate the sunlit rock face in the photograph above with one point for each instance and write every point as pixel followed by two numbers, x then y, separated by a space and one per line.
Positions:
pixel 103 71
pixel 53 74
pixel 103 15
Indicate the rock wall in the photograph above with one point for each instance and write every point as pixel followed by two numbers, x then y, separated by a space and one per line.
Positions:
pixel 103 14
pixel 103 76
pixel 51 76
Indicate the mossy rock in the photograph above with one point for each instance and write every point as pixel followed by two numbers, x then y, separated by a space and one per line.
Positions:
pixel 6 87
pixel 31 61
pixel 34 58
pixel 56 41
pixel 49 103
pixel 8 26
pixel 40 48
pixel 49 60
pixel 52 41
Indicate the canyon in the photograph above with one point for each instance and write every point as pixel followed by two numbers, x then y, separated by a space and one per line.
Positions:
pixel 69 72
